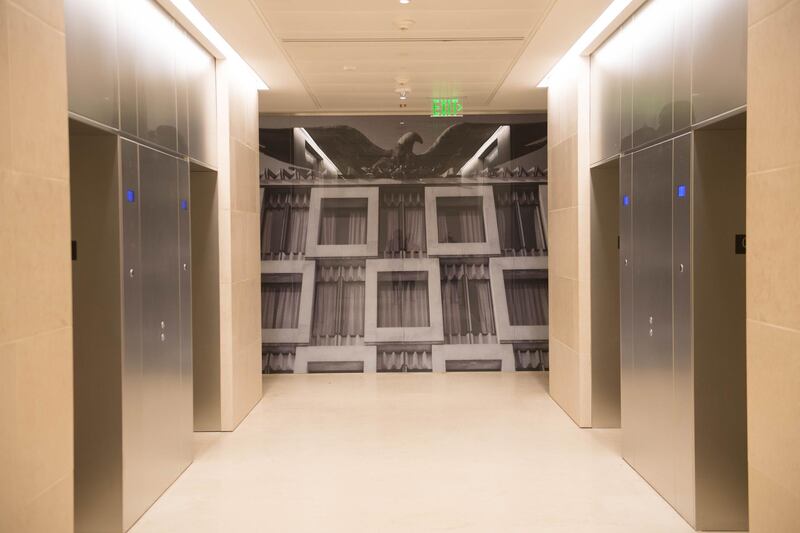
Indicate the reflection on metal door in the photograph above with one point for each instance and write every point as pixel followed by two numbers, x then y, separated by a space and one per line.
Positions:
pixel 652 315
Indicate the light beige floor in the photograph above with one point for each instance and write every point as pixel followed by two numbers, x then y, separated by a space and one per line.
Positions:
pixel 484 453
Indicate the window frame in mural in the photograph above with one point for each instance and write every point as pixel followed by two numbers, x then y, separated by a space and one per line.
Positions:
pixel 515 198
pixel 491 244
pixel 343 221
pixel 507 332
pixel 301 333
pixel 425 334
pixel 366 249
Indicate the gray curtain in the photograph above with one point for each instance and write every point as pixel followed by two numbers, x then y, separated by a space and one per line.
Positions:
pixel 467 304
pixel 481 306
pixel 403 224
pixel 532 357
pixel 280 305
pixel 413 358
pixel 507 228
pixel 521 222
pixel 460 222
pixel 402 300
pixel 277 360
pixel 343 225
pixel 391 231
pixel 352 310
pixel 298 226
pixel 284 222
pixel 415 230
pixel 338 317
pixel 526 294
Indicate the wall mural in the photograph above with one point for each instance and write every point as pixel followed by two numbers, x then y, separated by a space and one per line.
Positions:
pixel 404 244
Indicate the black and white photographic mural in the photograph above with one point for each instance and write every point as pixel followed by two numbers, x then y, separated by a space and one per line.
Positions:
pixel 404 244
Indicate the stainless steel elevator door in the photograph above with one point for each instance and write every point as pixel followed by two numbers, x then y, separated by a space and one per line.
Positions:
pixel 133 488
pixel 185 270
pixel 627 385
pixel 159 418
pixel 684 437
pixel 652 317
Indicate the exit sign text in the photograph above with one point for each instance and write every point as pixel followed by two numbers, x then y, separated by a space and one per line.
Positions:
pixel 446 107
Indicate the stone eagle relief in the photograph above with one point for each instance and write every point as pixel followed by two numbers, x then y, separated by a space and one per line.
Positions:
pixel 462 150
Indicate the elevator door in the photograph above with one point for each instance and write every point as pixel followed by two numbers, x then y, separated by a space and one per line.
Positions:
pixel 627 384
pixel 652 316
pixel 157 400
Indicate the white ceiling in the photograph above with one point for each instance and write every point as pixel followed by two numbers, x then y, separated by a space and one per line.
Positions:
pixel 350 56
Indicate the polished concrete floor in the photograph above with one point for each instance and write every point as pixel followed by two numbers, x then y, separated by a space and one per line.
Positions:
pixel 484 453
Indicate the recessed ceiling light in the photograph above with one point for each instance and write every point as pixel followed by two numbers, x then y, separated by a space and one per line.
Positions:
pixel 603 21
pixel 405 2
pixel 187 8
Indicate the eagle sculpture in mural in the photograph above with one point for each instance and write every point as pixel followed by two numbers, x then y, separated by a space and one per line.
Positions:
pixel 356 156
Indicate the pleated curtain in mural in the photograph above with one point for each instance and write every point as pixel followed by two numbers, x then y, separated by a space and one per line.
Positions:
pixel 467 304
pixel 405 358
pixel 280 301
pixel 520 222
pixel 402 224
pixel 284 223
pixel 403 300
pixel 339 306
pixel 526 294
pixel 460 220
pixel 343 221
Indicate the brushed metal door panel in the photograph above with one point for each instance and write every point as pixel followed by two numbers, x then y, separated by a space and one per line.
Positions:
pixel 91 41
pixel 159 460
pixel 627 383
pixel 682 272
pixel 652 316
pixel 652 71
pixel 682 64
pixel 156 79
pixel 605 94
pixel 127 41
pixel 626 35
pixel 200 69
pixel 719 67
pixel 181 91
pixel 132 436
pixel 185 271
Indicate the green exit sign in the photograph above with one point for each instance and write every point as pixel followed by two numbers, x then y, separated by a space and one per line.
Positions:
pixel 446 107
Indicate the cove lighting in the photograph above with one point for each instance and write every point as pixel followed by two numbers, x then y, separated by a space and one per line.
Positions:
pixel 598 26
pixel 187 8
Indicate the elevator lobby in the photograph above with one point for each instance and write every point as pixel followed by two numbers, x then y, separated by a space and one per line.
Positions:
pixel 399 266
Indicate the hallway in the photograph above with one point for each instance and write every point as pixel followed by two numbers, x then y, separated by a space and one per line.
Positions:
pixel 482 452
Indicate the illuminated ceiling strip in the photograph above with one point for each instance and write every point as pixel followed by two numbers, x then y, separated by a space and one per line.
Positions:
pixel 598 26
pixel 187 8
